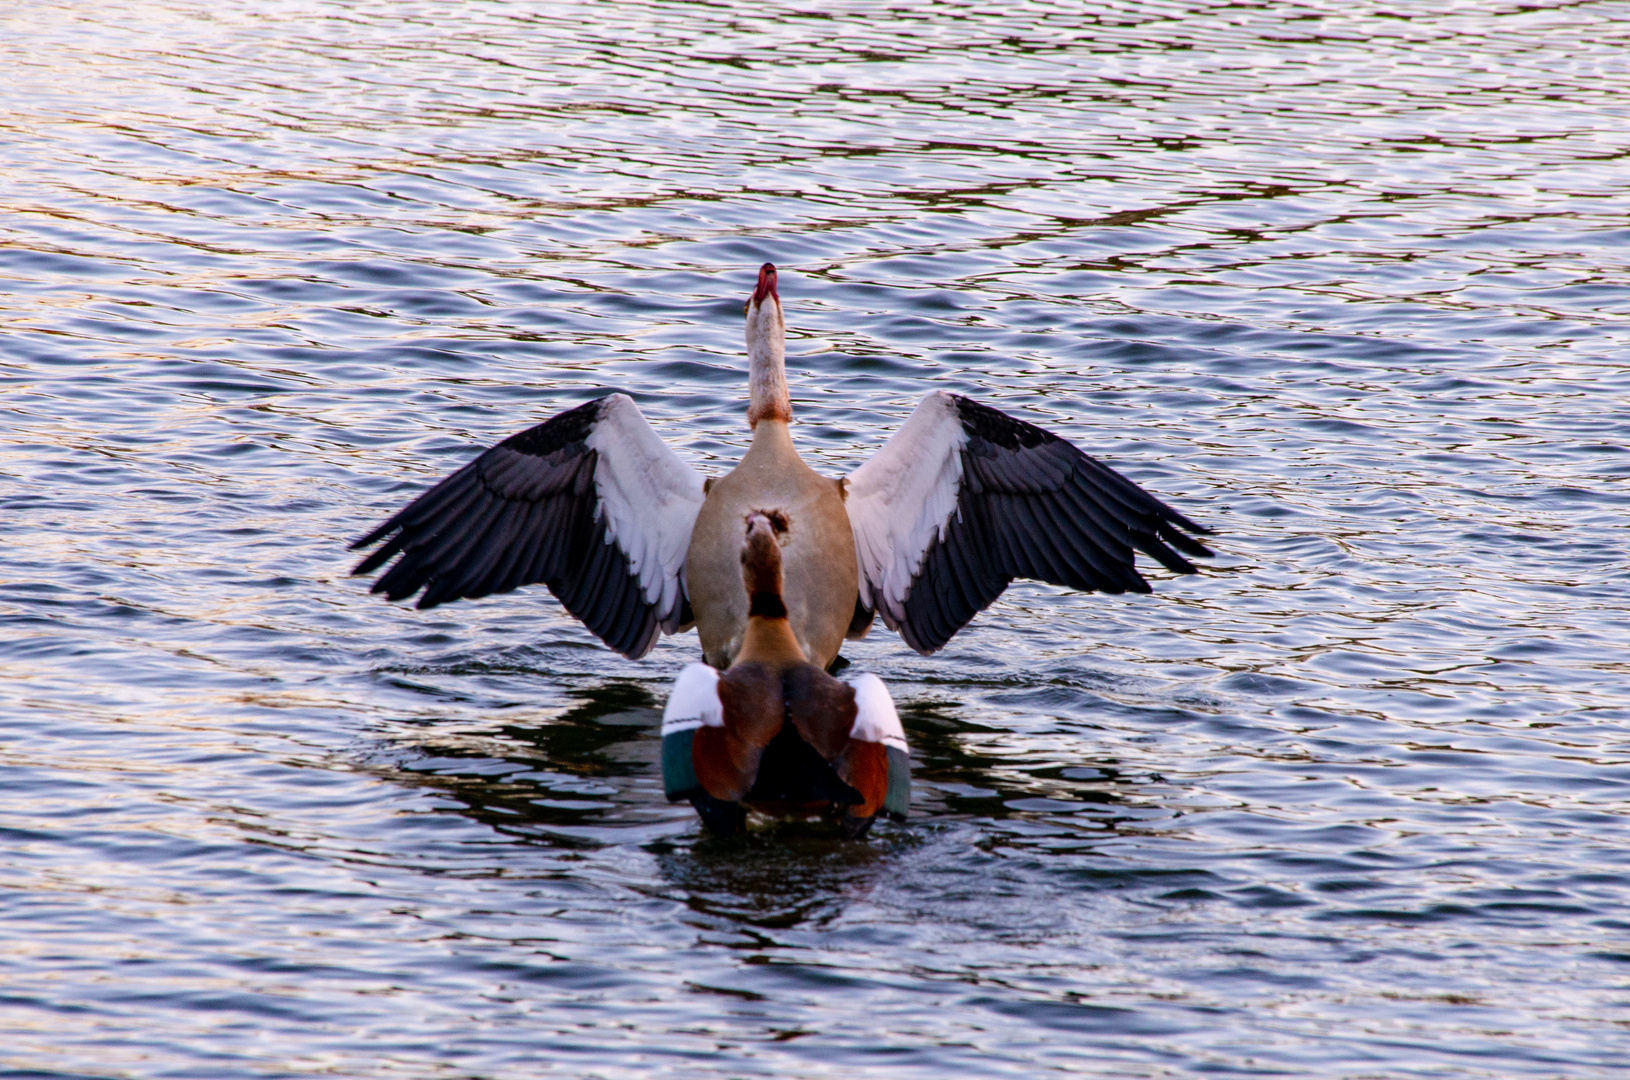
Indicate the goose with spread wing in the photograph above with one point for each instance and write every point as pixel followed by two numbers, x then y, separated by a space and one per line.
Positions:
pixel 959 502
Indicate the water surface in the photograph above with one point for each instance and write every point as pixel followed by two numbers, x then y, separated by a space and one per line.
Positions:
pixel 1346 282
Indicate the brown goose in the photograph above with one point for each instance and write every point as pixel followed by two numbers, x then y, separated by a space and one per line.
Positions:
pixel 774 732
pixel 958 503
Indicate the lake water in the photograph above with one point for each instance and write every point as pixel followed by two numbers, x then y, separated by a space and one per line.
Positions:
pixel 1347 282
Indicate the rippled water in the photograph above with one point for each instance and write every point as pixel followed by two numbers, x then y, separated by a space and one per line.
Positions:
pixel 1347 282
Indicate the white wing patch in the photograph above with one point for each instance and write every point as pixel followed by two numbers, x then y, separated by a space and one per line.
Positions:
pixel 648 500
pixel 694 701
pixel 875 717
pixel 902 499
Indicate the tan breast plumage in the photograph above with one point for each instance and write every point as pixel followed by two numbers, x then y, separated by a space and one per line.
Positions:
pixel 818 551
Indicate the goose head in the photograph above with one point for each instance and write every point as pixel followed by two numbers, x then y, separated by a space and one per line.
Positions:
pixel 761 563
pixel 767 352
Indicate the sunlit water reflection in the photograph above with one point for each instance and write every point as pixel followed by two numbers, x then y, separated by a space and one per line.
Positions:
pixel 1344 281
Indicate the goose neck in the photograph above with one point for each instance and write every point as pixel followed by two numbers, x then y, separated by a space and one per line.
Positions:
pixel 767 362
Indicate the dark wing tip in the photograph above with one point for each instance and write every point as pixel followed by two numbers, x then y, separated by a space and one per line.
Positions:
pixel 1170 517
pixel 373 562
pixel 372 538
pixel 1193 527
pixel 1033 505
pixel 1187 544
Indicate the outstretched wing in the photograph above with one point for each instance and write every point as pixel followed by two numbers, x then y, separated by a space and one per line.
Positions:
pixel 592 503
pixel 964 498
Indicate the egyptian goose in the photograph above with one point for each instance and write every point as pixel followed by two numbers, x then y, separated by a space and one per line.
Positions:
pixel 635 543
pixel 774 732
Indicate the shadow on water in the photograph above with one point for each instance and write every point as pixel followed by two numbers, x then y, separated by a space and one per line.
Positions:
pixel 558 782
pixel 589 778
pixel 955 773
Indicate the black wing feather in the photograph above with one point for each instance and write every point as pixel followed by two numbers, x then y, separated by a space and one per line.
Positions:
pixel 523 512
pixel 1032 505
